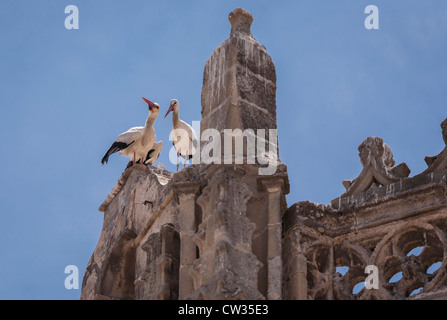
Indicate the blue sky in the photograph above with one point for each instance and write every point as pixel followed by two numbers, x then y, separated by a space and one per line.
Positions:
pixel 67 94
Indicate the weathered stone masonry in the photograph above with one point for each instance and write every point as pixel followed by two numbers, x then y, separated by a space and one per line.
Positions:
pixel 222 231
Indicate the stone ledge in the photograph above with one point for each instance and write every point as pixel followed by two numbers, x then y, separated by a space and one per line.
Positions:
pixel 162 175
pixel 332 222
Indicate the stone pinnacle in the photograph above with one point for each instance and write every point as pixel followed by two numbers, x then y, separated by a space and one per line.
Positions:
pixel 240 21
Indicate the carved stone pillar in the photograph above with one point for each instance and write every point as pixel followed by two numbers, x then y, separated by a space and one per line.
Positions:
pixel 187 194
pixel 159 281
pixel 295 266
pixel 227 267
pixel 274 186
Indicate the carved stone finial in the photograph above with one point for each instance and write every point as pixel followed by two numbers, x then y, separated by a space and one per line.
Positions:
pixel 444 130
pixel 240 21
pixel 378 167
pixel 438 162
pixel 376 148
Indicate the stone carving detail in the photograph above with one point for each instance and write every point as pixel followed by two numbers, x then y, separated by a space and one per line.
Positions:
pixel 411 255
pixel 226 267
pixel 356 258
pixel 438 162
pixel 159 281
pixel 393 258
pixel 393 254
pixel 117 280
pixel 378 167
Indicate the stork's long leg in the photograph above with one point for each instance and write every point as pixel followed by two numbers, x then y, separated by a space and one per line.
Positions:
pixel 177 159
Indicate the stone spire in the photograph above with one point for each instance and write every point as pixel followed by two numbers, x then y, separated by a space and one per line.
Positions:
pixel 239 82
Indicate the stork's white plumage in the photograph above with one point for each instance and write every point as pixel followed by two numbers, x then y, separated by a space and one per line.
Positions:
pixel 183 136
pixel 137 143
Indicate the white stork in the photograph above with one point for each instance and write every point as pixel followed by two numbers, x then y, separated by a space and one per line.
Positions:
pixel 138 143
pixel 183 136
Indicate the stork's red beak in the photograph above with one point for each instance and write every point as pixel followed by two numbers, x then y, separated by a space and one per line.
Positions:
pixel 150 103
pixel 171 107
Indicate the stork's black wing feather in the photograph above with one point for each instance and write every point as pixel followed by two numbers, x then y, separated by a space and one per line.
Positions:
pixel 116 146
pixel 150 154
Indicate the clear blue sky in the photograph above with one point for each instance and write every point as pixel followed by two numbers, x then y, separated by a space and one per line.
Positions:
pixel 66 94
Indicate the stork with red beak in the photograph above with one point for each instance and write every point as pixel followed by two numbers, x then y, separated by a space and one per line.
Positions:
pixel 137 143
pixel 183 136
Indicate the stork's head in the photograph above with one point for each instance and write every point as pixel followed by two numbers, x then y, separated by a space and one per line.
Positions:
pixel 153 106
pixel 173 105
